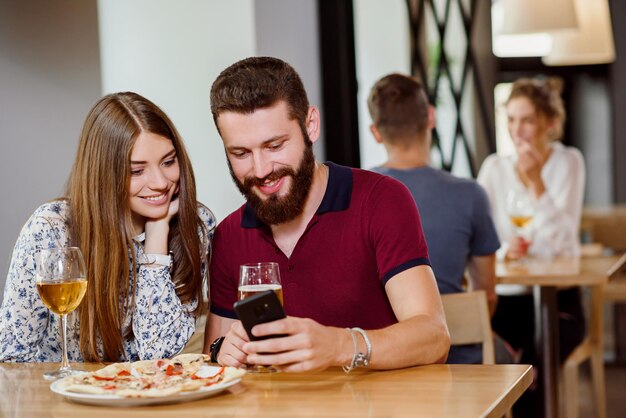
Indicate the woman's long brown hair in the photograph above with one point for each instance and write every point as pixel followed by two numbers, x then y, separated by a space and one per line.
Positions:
pixel 100 220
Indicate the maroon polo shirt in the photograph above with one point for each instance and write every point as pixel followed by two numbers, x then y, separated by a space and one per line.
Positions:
pixel 366 230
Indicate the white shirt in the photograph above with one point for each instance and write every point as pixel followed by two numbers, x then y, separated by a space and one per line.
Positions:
pixel 554 230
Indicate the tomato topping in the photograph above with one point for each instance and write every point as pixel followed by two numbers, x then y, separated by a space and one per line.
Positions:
pixel 109 387
pixel 124 373
pixel 95 376
pixel 172 370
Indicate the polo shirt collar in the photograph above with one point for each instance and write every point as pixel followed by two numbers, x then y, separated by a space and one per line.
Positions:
pixel 336 198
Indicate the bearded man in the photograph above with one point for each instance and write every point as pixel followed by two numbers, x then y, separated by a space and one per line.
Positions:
pixel 357 284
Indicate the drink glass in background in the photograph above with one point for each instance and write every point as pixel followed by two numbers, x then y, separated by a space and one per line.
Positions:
pixel 521 210
pixel 255 278
pixel 61 279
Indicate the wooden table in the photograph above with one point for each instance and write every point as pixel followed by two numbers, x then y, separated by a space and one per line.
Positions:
pixel 546 276
pixel 428 391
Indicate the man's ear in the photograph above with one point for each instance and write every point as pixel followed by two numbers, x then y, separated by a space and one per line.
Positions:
pixel 312 123
pixel 377 136
pixel 431 117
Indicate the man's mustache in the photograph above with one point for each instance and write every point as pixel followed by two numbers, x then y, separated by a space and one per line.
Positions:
pixel 274 175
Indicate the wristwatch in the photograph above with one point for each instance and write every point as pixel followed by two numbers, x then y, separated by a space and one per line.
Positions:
pixel 214 348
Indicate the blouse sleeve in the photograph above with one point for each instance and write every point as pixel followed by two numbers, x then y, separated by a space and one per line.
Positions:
pixel 558 210
pixel 23 316
pixel 162 324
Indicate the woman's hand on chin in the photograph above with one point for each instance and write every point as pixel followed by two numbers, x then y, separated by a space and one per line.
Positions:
pixel 157 230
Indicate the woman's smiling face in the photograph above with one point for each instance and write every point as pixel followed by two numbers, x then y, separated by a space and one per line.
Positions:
pixel 154 178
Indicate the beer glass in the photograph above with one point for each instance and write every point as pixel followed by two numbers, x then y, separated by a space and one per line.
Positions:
pixel 61 280
pixel 253 279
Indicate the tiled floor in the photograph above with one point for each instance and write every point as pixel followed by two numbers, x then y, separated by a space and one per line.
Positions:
pixel 615 392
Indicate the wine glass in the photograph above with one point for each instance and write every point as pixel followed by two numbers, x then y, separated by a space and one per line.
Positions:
pixel 61 282
pixel 520 209
pixel 253 279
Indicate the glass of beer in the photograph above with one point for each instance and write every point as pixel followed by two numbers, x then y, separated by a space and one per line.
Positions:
pixel 62 283
pixel 255 278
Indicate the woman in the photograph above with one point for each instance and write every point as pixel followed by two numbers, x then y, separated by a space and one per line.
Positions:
pixel 552 176
pixel 130 201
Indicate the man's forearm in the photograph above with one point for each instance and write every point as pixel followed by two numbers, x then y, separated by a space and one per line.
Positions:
pixel 414 341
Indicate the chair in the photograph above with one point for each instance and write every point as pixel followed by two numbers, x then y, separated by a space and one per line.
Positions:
pixel 467 315
pixel 591 348
pixel 469 322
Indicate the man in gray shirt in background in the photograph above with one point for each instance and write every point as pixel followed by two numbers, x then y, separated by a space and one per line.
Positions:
pixel 455 212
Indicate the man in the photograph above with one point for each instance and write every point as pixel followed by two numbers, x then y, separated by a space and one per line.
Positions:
pixel 455 212
pixel 348 242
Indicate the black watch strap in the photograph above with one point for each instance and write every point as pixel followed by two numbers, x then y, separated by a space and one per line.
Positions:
pixel 214 348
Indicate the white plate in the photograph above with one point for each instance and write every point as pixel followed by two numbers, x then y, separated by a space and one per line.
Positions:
pixel 113 400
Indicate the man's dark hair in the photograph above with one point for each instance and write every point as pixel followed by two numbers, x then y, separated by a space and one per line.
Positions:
pixel 256 83
pixel 398 106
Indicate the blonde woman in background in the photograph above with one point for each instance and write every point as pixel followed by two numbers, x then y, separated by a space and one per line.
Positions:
pixel 552 177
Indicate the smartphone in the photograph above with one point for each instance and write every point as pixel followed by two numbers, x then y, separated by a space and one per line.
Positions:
pixel 258 309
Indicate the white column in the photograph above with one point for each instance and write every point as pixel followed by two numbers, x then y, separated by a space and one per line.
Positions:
pixel 381 37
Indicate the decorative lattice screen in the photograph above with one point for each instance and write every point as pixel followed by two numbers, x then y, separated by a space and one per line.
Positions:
pixel 443 57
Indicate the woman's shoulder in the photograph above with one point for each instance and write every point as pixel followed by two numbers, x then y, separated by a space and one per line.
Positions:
pixel 495 165
pixel 570 154
pixel 56 209
pixel 206 216
pixel 497 159
pixel 48 222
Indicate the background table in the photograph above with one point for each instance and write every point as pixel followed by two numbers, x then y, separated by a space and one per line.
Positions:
pixel 427 391
pixel 546 276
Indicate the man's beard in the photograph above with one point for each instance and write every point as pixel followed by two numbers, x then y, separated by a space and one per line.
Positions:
pixel 276 210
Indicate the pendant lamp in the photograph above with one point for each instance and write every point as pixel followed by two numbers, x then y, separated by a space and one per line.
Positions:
pixel 591 44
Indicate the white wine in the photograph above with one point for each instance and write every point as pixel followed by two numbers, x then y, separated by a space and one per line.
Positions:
pixel 252 289
pixel 62 297
pixel 521 221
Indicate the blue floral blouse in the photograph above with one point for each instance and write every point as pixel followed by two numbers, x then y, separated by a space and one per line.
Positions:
pixel 29 332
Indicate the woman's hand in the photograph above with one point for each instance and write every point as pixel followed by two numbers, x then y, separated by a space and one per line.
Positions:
pixel 157 230
pixel 518 248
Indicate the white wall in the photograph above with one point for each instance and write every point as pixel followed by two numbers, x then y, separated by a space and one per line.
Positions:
pixel 171 52
pixel 381 36
pixel 49 79
pixel 288 30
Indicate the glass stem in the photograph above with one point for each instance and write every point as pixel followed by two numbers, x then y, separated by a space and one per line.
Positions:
pixel 65 364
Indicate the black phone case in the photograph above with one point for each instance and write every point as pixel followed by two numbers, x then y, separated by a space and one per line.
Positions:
pixel 258 309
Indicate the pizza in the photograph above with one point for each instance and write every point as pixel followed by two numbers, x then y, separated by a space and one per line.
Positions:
pixel 151 378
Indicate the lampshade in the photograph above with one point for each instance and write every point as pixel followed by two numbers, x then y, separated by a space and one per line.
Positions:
pixel 592 44
pixel 532 16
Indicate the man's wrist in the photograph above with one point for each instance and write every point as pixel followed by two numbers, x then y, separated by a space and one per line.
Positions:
pixel 214 348
pixel 359 358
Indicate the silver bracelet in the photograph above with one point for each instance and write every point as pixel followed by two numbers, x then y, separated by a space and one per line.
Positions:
pixel 359 359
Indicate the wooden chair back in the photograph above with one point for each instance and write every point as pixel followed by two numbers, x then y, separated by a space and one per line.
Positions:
pixel 467 315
